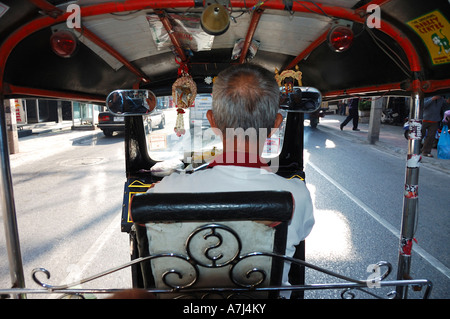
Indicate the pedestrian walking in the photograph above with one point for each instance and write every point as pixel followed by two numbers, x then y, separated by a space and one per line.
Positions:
pixel 353 114
pixel 432 110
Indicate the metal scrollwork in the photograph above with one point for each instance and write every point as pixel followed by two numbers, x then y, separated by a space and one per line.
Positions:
pixel 207 253
pixel 36 280
pixel 248 276
pixel 176 278
pixel 209 249
pixel 166 275
pixel 217 247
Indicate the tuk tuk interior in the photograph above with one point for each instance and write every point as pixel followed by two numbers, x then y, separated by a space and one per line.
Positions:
pixel 342 48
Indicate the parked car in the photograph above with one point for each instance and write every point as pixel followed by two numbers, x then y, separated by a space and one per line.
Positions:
pixel 109 122
pixel 157 118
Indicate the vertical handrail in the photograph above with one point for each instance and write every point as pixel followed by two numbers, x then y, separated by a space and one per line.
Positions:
pixel 411 195
pixel 8 209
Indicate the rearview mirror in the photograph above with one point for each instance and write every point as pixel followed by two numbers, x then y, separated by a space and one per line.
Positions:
pixel 131 102
pixel 301 99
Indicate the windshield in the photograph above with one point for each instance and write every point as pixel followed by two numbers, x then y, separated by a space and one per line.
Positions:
pixel 199 144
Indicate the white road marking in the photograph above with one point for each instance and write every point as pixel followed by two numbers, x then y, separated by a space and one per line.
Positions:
pixel 396 232
pixel 76 270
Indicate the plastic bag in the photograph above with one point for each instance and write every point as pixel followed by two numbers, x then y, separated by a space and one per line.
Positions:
pixel 443 146
pixel 187 30
pixel 165 168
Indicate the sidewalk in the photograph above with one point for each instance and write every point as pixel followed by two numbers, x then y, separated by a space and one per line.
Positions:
pixel 43 127
pixel 47 139
pixel 391 140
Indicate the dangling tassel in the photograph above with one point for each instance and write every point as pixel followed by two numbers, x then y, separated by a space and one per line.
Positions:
pixel 179 124
pixel 184 91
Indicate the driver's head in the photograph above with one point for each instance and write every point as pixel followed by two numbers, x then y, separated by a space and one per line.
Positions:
pixel 245 96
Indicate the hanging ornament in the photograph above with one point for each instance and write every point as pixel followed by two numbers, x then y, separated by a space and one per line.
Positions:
pixel 184 91
pixel 287 79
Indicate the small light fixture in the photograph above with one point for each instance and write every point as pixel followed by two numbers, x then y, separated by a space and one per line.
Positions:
pixel 215 19
pixel 340 38
pixel 64 43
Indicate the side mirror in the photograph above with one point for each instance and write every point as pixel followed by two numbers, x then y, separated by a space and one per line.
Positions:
pixel 131 102
pixel 302 99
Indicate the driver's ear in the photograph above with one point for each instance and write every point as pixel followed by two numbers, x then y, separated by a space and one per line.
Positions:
pixel 212 122
pixel 278 120
pixel 210 117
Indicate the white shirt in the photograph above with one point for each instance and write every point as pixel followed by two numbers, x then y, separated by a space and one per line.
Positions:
pixel 240 178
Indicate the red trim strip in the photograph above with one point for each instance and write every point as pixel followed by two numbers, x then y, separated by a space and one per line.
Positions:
pixel 364 90
pixel 425 86
pixel 434 85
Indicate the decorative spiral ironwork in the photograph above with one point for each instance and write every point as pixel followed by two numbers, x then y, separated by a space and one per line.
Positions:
pixel 170 277
pixel 213 232
pixel 245 277
pixel 255 276
pixel 112 270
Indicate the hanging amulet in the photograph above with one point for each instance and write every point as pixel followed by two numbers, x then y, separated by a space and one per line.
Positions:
pixel 184 91
pixel 179 124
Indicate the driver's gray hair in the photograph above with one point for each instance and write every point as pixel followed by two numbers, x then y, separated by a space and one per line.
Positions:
pixel 245 96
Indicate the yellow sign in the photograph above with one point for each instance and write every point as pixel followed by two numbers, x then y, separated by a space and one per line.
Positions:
pixel 434 30
pixel 137 184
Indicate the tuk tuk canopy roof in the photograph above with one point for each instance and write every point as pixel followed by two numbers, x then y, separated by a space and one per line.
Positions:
pixel 398 45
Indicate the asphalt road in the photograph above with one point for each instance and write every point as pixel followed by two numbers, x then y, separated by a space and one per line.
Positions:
pixel 68 209
pixel 358 195
pixel 69 190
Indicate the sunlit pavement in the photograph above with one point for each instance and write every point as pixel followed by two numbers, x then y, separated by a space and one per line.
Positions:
pixel 391 139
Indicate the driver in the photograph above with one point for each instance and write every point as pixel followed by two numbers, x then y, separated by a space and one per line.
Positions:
pixel 246 99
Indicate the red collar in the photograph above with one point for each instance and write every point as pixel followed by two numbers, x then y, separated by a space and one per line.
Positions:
pixel 238 159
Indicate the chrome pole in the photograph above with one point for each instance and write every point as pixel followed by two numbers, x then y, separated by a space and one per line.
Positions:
pixel 411 195
pixel 8 208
